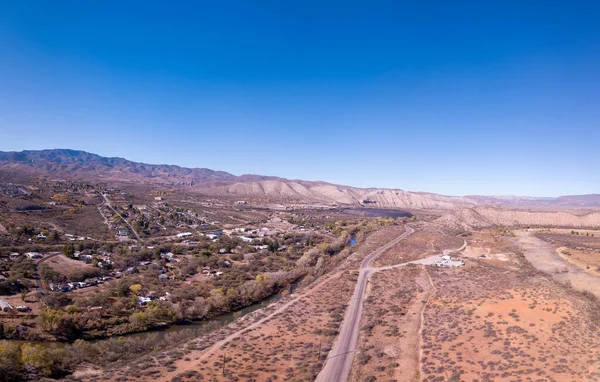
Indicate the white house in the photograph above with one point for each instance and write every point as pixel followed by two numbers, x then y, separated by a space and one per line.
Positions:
pixel 33 255
pixel 184 234
pixel 142 300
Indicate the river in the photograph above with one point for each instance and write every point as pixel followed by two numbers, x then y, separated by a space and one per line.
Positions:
pixel 193 329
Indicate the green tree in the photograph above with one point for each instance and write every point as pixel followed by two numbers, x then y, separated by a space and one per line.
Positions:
pixel 69 250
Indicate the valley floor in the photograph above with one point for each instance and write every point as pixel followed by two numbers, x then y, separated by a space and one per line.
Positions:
pixel 496 319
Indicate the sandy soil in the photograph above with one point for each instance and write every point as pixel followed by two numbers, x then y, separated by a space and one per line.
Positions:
pixel 489 324
pixel 67 266
pixel 544 258
pixel 389 342
pixel 587 260
pixel 423 243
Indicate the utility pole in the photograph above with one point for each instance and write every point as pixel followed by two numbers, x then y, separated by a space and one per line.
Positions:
pixel 319 353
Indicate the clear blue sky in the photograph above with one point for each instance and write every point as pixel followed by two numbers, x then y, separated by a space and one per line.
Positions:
pixel 454 97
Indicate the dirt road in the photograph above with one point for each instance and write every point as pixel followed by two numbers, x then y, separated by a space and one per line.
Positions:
pixel 122 218
pixel 341 355
pixel 200 356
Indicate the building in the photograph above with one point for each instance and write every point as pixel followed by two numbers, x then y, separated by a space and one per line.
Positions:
pixel 184 234
pixel 169 256
pixel 122 233
pixel 246 239
pixel 33 255
pixel 159 198
pixel 142 300
pixel 5 306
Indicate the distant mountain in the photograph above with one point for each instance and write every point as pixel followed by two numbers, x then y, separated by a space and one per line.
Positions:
pixel 326 193
pixel 73 164
pixel 511 200
pixel 80 165
pixel 592 200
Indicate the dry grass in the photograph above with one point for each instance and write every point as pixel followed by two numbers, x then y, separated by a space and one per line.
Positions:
pixel 423 243
pixel 585 258
pixel 389 337
pixel 286 347
pixel 68 267
pixel 487 323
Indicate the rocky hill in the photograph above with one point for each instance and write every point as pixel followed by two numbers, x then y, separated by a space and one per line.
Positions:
pixel 73 164
pixel 15 167
pixel 485 216
pixel 320 192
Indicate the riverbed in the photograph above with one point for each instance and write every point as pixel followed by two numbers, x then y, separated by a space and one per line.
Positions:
pixel 544 257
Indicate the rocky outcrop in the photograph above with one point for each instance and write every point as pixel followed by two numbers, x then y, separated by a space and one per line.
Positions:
pixel 483 216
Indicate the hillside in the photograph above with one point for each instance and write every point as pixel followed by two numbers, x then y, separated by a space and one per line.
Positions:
pixel 319 192
pixel 17 167
pixel 73 164
pixel 485 216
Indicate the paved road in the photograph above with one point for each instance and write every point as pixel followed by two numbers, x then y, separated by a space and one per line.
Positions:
pixel 341 355
pixel 337 367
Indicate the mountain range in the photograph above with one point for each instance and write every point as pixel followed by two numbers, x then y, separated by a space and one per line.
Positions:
pixel 81 165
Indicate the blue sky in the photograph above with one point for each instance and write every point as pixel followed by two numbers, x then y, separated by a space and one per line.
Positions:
pixel 454 97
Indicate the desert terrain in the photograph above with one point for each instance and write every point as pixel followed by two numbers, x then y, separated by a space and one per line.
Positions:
pixel 113 270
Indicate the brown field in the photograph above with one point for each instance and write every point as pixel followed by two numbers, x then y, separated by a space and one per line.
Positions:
pixel 84 220
pixel 389 340
pixel 68 267
pixel 587 259
pixel 487 323
pixel 423 243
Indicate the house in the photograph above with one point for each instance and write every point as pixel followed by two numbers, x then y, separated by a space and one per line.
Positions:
pixel 142 300
pixel 33 255
pixel 241 202
pixel 246 239
pixel 159 198
pixel 223 250
pixel 212 236
pixel 41 236
pixel 122 233
pixel 169 256
pixel 14 255
pixel 184 234
pixel 23 308
pixel 163 277
pixel 5 306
